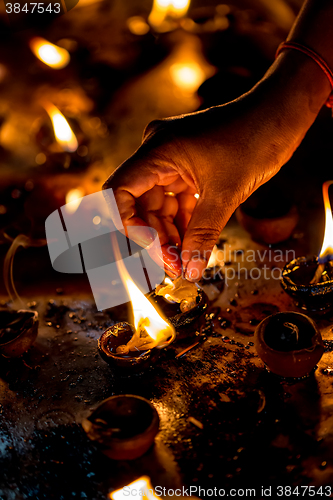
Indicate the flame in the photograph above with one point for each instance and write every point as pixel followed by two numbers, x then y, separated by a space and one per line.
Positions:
pixel 73 200
pixel 62 130
pixel 145 314
pixel 167 8
pixel 326 251
pixel 141 488
pixel 50 54
pixel 187 76
pixel 197 196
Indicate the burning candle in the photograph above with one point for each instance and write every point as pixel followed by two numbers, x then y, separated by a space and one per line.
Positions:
pixel 181 301
pixel 150 330
pixel 289 344
pixel 310 281
pixel 164 11
pixel 62 131
pixel 50 54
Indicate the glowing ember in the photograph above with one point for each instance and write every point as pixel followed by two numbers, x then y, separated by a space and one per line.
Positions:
pixel 73 200
pixel 141 488
pixel 167 8
pixel 62 130
pixel 151 328
pixel 326 252
pixel 197 196
pixel 188 76
pixel 50 54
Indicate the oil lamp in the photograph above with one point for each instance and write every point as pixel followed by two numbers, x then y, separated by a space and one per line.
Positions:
pixel 124 346
pixel 310 280
pixel 268 220
pixel 289 343
pixel 123 427
pixel 18 331
pixel 181 301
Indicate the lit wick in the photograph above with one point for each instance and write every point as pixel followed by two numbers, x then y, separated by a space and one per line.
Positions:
pixel 151 329
pixel 326 251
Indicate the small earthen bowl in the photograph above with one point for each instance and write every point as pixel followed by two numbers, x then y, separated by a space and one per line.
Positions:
pixel 268 230
pixel 171 310
pixel 18 331
pixel 123 427
pixel 283 352
pixel 134 361
pixel 295 280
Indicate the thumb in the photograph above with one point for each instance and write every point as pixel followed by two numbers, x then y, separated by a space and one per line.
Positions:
pixel 208 219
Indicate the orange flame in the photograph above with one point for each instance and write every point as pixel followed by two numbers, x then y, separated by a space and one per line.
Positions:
pixel 145 314
pixel 50 54
pixel 326 251
pixel 73 200
pixel 141 488
pixel 164 8
pixel 187 76
pixel 62 130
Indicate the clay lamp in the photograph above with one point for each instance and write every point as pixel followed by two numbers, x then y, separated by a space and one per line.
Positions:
pixel 181 301
pixel 18 331
pixel 289 343
pixel 268 220
pixel 123 427
pixel 310 280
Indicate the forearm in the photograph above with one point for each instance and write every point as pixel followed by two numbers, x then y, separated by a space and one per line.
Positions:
pixel 295 85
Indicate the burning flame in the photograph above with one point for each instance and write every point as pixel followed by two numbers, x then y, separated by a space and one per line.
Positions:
pixel 62 130
pixel 167 8
pixel 73 200
pixel 50 54
pixel 145 315
pixel 188 76
pixel 326 251
pixel 141 488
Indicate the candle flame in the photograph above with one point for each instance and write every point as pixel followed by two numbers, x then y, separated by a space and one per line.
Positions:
pixel 187 76
pixel 73 200
pixel 50 54
pixel 62 131
pixel 167 8
pixel 326 252
pixel 145 314
pixel 142 488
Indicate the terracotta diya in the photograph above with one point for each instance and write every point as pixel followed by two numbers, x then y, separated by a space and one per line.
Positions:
pixel 18 331
pixel 181 301
pixel 268 216
pixel 289 343
pixel 310 280
pixel 123 427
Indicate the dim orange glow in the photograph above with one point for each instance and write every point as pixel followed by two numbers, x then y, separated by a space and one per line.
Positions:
pixel 62 131
pixel 326 251
pixel 141 488
pixel 50 54
pixel 73 200
pixel 187 76
pixel 137 25
pixel 145 315
pixel 167 8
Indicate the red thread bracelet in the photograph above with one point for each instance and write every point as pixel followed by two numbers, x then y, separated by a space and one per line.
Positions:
pixel 315 57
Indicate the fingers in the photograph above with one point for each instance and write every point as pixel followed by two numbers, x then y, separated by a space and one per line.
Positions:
pixel 208 219
pixel 168 258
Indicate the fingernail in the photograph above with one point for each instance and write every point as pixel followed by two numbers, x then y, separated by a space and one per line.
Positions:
pixel 171 261
pixel 142 236
pixel 195 268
